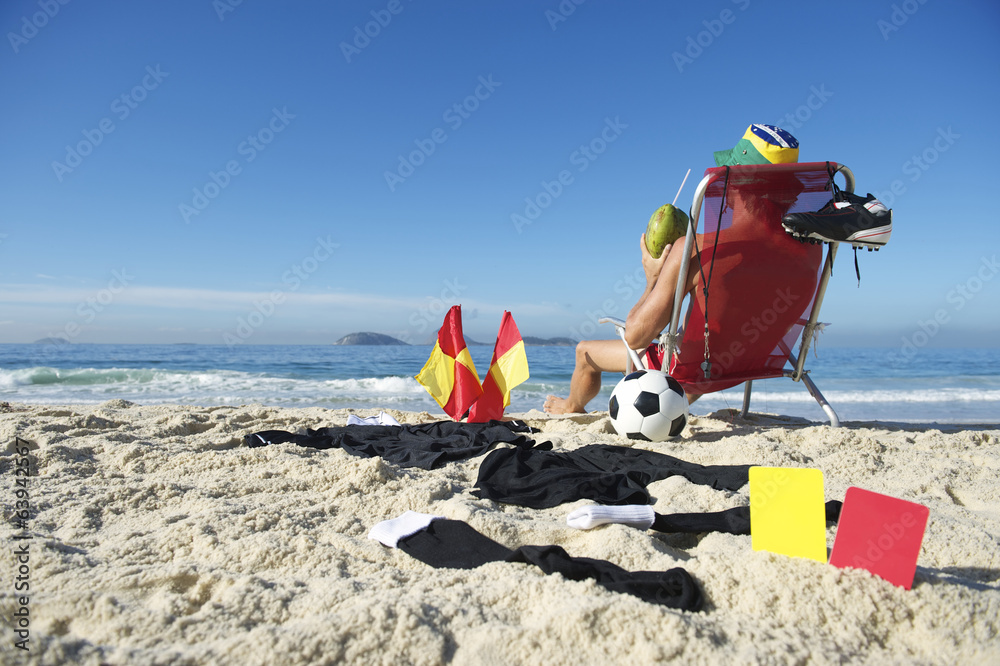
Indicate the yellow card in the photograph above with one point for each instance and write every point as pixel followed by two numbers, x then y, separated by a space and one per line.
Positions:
pixel 787 512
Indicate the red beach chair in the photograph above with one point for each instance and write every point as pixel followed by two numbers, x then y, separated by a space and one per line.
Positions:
pixel 764 288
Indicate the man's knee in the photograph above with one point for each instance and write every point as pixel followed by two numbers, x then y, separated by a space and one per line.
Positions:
pixel 600 355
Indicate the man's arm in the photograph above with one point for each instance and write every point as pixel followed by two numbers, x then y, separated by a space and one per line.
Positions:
pixel 651 313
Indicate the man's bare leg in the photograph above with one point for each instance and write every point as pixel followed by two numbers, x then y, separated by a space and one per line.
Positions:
pixel 593 357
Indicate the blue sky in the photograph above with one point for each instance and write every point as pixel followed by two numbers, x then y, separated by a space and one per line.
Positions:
pixel 290 172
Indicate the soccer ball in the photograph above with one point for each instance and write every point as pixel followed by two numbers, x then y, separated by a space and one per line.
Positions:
pixel 650 405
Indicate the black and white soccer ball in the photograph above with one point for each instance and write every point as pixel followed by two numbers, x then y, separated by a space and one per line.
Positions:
pixel 650 405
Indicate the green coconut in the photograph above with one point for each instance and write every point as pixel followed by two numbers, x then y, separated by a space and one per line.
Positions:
pixel 667 225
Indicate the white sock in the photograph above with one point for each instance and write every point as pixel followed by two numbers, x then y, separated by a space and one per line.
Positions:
pixel 634 515
pixel 389 532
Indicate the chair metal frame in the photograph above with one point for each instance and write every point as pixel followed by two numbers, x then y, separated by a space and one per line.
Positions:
pixel 670 337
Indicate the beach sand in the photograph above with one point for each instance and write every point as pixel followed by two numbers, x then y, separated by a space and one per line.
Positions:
pixel 158 537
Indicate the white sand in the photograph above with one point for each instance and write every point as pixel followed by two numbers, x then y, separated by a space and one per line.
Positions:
pixel 159 538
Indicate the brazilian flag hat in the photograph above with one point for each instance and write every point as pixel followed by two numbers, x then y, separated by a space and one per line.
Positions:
pixel 761 144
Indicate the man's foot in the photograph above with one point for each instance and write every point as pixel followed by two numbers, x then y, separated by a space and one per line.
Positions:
pixel 859 221
pixel 556 405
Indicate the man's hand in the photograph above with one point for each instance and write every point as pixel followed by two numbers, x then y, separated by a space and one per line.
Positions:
pixel 651 265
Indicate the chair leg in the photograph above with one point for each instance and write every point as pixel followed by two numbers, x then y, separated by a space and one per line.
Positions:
pixel 633 355
pixel 746 398
pixel 814 392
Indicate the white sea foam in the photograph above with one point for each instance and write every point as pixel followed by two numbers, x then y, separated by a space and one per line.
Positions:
pixel 92 385
pixel 955 386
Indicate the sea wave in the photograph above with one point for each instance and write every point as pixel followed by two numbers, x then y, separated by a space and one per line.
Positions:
pixel 173 383
pixel 92 385
pixel 974 399
pixel 99 376
pixel 74 377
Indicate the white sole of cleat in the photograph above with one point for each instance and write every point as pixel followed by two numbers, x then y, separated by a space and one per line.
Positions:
pixel 878 236
pixel 870 238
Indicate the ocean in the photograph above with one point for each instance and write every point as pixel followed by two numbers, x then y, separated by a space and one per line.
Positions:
pixel 924 386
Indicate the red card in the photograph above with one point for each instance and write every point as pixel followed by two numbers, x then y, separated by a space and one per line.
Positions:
pixel 880 534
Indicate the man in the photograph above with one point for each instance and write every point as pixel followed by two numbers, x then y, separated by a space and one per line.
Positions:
pixel 761 144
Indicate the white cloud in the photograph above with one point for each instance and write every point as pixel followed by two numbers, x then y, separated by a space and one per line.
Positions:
pixel 217 299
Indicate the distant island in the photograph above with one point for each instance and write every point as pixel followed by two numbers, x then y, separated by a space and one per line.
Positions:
pixel 378 339
pixel 549 342
pixel 529 341
pixel 369 339
pixel 469 342
pixel 52 341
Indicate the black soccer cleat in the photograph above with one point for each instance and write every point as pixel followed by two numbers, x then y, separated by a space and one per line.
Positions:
pixel 860 221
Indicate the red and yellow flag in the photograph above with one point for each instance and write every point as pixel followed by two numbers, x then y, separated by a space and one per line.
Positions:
pixel 449 374
pixel 508 368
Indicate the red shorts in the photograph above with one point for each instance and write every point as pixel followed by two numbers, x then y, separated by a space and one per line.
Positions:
pixel 654 356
